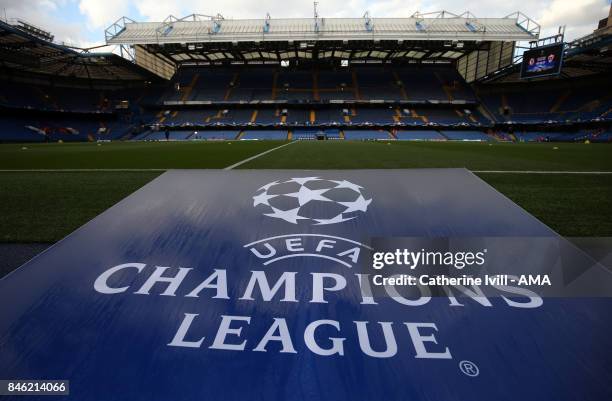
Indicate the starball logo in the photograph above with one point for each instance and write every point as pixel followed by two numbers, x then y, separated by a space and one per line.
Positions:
pixel 312 199
pixel 274 280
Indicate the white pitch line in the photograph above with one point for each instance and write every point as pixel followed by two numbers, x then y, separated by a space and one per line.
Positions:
pixel 85 170
pixel 539 172
pixel 78 170
pixel 257 155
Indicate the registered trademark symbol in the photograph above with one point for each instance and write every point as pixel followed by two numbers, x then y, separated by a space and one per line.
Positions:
pixel 469 368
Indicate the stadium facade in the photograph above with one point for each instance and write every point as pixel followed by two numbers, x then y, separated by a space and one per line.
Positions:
pixel 438 76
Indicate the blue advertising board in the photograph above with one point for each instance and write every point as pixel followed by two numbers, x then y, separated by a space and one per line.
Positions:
pixel 245 285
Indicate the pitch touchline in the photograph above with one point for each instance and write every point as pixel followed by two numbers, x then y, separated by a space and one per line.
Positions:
pixel 84 170
pixel 257 155
pixel 539 172
pixel 76 170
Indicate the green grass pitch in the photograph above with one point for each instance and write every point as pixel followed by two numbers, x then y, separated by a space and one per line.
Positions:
pixel 45 206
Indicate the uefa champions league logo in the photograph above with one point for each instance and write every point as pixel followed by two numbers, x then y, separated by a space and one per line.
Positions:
pixel 311 199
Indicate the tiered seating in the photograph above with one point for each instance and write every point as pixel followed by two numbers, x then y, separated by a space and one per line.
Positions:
pixel 442 116
pixel 366 135
pixel 335 84
pixel 298 116
pixel 333 134
pixel 61 98
pixel 212 84
pixel 454 85
pixel 301 135
pixel 377 83
pixel 419 135
pixel 373 115
pixel 252 85
pixel 530 136
pixel 179 135
pixel 172 135
pixel 316 84
pixel 65 128
pixel 294 85
pixel 466 135
pixel 15 129
pixel 297 97
pixel 215 135
pixel 421 84
pixel 329 116
pixel 502 136
pixel 268 116
pixel 547 101
pixel 264 134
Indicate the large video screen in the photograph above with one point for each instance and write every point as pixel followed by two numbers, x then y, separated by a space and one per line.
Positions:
pixel 542 61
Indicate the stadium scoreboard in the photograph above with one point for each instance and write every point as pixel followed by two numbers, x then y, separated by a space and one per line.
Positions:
pixel 542 61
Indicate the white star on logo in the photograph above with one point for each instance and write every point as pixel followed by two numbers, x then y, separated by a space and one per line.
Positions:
pixel 302 180
pixel 288 215
pixel 361 205
pixel 305 195
pixel 347 184
pixel 337 219
pixel 262 199
pixel 267 186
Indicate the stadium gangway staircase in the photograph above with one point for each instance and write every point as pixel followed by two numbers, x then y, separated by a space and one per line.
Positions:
pixel 555 107
pixel 397 117
pixel 228 92
pixel 402 88
pixel 442 133
pixel 356 86
pixel 189 88
pixel 274 83
pixel 447 90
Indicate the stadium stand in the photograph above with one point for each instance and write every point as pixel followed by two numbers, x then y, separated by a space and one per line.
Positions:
pixel 419 135
pixel 367 135
pixel 432 91
pixel 568 100
pixel 465 135
pixel 265 134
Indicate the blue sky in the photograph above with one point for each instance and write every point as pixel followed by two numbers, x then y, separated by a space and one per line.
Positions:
pixel 82 22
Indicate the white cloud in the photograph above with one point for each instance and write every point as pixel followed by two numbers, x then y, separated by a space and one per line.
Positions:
pixel 101 13
pixel 579 16
pixel 36 12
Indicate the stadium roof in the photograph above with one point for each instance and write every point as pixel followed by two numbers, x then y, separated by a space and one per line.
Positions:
pixel 442 36
pixel 26 48
pixel 441 25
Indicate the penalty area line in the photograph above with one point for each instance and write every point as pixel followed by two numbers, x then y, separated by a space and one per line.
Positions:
pixel 257 155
